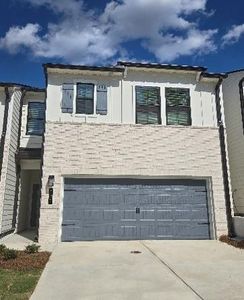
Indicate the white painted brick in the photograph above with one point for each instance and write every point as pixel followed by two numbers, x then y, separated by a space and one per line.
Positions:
pixel 128 150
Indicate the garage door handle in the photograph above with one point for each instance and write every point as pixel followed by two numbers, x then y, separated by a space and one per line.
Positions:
pixel 137 210
pixel 203 223
pixel 68 224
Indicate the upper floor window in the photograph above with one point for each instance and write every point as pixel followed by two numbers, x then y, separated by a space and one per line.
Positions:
pixel 178 108
pixel 148 105
pixel 85 98
pixel 35 119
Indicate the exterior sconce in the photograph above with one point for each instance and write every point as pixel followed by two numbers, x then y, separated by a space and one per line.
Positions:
pixel 50 184
pixel 51 180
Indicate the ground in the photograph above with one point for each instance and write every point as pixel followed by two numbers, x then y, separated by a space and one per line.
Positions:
pixel 18 284
pixel 128 270
pixel 19 276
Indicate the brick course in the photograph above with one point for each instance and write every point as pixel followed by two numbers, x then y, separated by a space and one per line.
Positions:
pixel 127 150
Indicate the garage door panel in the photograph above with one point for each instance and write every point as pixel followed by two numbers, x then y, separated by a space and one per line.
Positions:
pixel 134 209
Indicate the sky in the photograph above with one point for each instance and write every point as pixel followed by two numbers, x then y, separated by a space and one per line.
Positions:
pixel 207 33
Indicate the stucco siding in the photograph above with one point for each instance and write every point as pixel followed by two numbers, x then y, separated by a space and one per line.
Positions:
pixel 235 138
pixel 128 150
pixel 121 96
pixel 8 179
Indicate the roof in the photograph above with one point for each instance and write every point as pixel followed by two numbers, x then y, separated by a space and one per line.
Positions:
pixel 24 86
pixel 214 75
pixel 235 71
pixel 161 66
pixel 82 67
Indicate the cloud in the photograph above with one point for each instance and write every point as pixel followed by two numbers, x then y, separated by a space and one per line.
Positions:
pixel 233 35
pixel 162 27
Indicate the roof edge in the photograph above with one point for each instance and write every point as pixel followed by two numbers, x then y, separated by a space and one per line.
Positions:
pixel 214 75
pixel 24 86
pixel 161 66
pixel 235 71
pixel 83 67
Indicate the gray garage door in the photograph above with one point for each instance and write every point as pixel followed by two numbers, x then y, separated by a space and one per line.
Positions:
pixel 123 209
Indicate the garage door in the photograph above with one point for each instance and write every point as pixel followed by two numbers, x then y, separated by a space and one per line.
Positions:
pixel 123 209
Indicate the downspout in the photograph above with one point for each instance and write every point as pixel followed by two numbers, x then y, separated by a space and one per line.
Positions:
pixel 42 150
pixel 224 160
pixel 242 101
pixel 5 122
pixel 17 162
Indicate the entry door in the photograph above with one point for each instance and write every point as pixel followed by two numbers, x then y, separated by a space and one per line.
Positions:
pixel 35 205
pixel 124 209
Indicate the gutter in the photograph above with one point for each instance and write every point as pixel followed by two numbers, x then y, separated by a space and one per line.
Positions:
pixel 4 130
pixel 242 101
pixel 224 160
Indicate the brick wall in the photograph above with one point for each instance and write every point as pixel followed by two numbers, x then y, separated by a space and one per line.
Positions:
pixel 127 150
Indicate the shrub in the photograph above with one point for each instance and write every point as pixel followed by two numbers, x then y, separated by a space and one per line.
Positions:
pixel 2 248
pixel 9 254
pixel 33 248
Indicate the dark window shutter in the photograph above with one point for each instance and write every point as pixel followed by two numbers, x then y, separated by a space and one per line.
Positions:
pixel 178 106
pixel 148 105
pixel 67 98
pixel 102 100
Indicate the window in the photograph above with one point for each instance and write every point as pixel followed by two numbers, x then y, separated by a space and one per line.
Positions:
pixel 178 108
pixel 147 105
pixel 35 120
pixel 85 98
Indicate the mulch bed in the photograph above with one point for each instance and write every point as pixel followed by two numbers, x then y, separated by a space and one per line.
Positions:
pixel 25 261
pixel 235 243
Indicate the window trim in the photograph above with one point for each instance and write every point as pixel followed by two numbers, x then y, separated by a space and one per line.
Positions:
pixel 160 104
pixel 94 98
pixel 184 107
pixel 35 134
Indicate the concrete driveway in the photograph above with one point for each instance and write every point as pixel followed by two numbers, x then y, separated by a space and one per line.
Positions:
pixel 163 270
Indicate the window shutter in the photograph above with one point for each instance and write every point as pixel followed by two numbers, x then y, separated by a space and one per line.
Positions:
pixel 67 98
pixel 102 100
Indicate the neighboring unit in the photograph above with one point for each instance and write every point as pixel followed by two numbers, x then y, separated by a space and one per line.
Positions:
pixel 21 126
pixel 135 151
pixel 233 92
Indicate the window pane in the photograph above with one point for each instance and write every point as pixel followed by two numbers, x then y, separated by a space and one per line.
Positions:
pixel 36 110
pixel 84 106
pixel 178 106
pixel 177 96
pixel 85 90
pixel 35 126
pixel 178 116
pixel 36 114
pixel 147 105
pixel 147 95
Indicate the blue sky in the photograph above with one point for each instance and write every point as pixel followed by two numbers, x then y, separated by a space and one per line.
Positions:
pixel 98 32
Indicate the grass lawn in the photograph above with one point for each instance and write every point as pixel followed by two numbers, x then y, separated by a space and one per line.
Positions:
pixel 19 275
pixel 18 284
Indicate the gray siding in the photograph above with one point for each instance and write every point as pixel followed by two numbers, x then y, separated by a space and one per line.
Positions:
pixel 9 174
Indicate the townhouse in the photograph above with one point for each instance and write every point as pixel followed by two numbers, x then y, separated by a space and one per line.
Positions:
pixel 133 151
